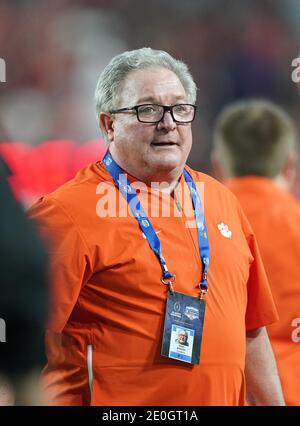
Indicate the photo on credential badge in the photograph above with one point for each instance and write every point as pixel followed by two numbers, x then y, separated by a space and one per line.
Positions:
pixel 183 328
pixel 181 344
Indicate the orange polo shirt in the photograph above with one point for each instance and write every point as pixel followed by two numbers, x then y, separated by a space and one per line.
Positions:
pixel 105 329
pixel 275 217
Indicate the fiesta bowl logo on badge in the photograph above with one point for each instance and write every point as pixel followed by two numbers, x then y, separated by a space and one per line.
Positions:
pixel 191 312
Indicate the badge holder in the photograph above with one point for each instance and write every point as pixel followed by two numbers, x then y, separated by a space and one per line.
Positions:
pixel 183 326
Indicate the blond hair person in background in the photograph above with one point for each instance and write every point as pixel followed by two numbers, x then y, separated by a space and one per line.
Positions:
pixel 255 154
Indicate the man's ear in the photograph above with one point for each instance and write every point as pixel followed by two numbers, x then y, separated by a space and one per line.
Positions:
pixel 290 169
pixel 107 125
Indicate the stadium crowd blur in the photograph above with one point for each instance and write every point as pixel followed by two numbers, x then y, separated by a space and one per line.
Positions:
pixel 54 52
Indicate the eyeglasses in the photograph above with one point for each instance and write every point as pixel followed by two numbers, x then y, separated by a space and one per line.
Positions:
pixel 152 113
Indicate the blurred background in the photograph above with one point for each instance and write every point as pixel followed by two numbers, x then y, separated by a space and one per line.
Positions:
pixel 55 50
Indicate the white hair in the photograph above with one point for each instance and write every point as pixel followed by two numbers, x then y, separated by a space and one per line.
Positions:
pixel 110 81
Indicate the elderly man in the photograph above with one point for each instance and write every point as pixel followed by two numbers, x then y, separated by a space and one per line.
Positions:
pixel 255 149
pixel 126 275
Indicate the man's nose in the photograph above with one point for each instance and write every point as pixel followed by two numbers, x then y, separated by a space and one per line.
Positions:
pixel 166 122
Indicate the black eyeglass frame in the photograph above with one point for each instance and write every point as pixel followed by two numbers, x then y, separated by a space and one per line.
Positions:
pixel 166 108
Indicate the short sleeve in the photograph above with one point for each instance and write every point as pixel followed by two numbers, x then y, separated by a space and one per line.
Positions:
pixel 69 259
pixel 261 309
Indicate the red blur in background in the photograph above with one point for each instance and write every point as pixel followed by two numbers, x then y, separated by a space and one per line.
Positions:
pixel 38 170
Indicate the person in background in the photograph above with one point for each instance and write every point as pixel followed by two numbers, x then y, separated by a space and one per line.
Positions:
pixel 23 301
pixel 122 278
pixel 255 154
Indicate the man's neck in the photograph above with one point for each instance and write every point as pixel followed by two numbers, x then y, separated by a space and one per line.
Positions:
pixel 164 181
pixel 282 182
pixel 164 185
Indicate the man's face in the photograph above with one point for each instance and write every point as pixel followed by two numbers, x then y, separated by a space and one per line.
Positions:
pixel 182 337
pixel 147 149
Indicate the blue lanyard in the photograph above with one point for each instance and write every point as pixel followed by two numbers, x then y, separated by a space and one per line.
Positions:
pixel 130 194
pixel 201 228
